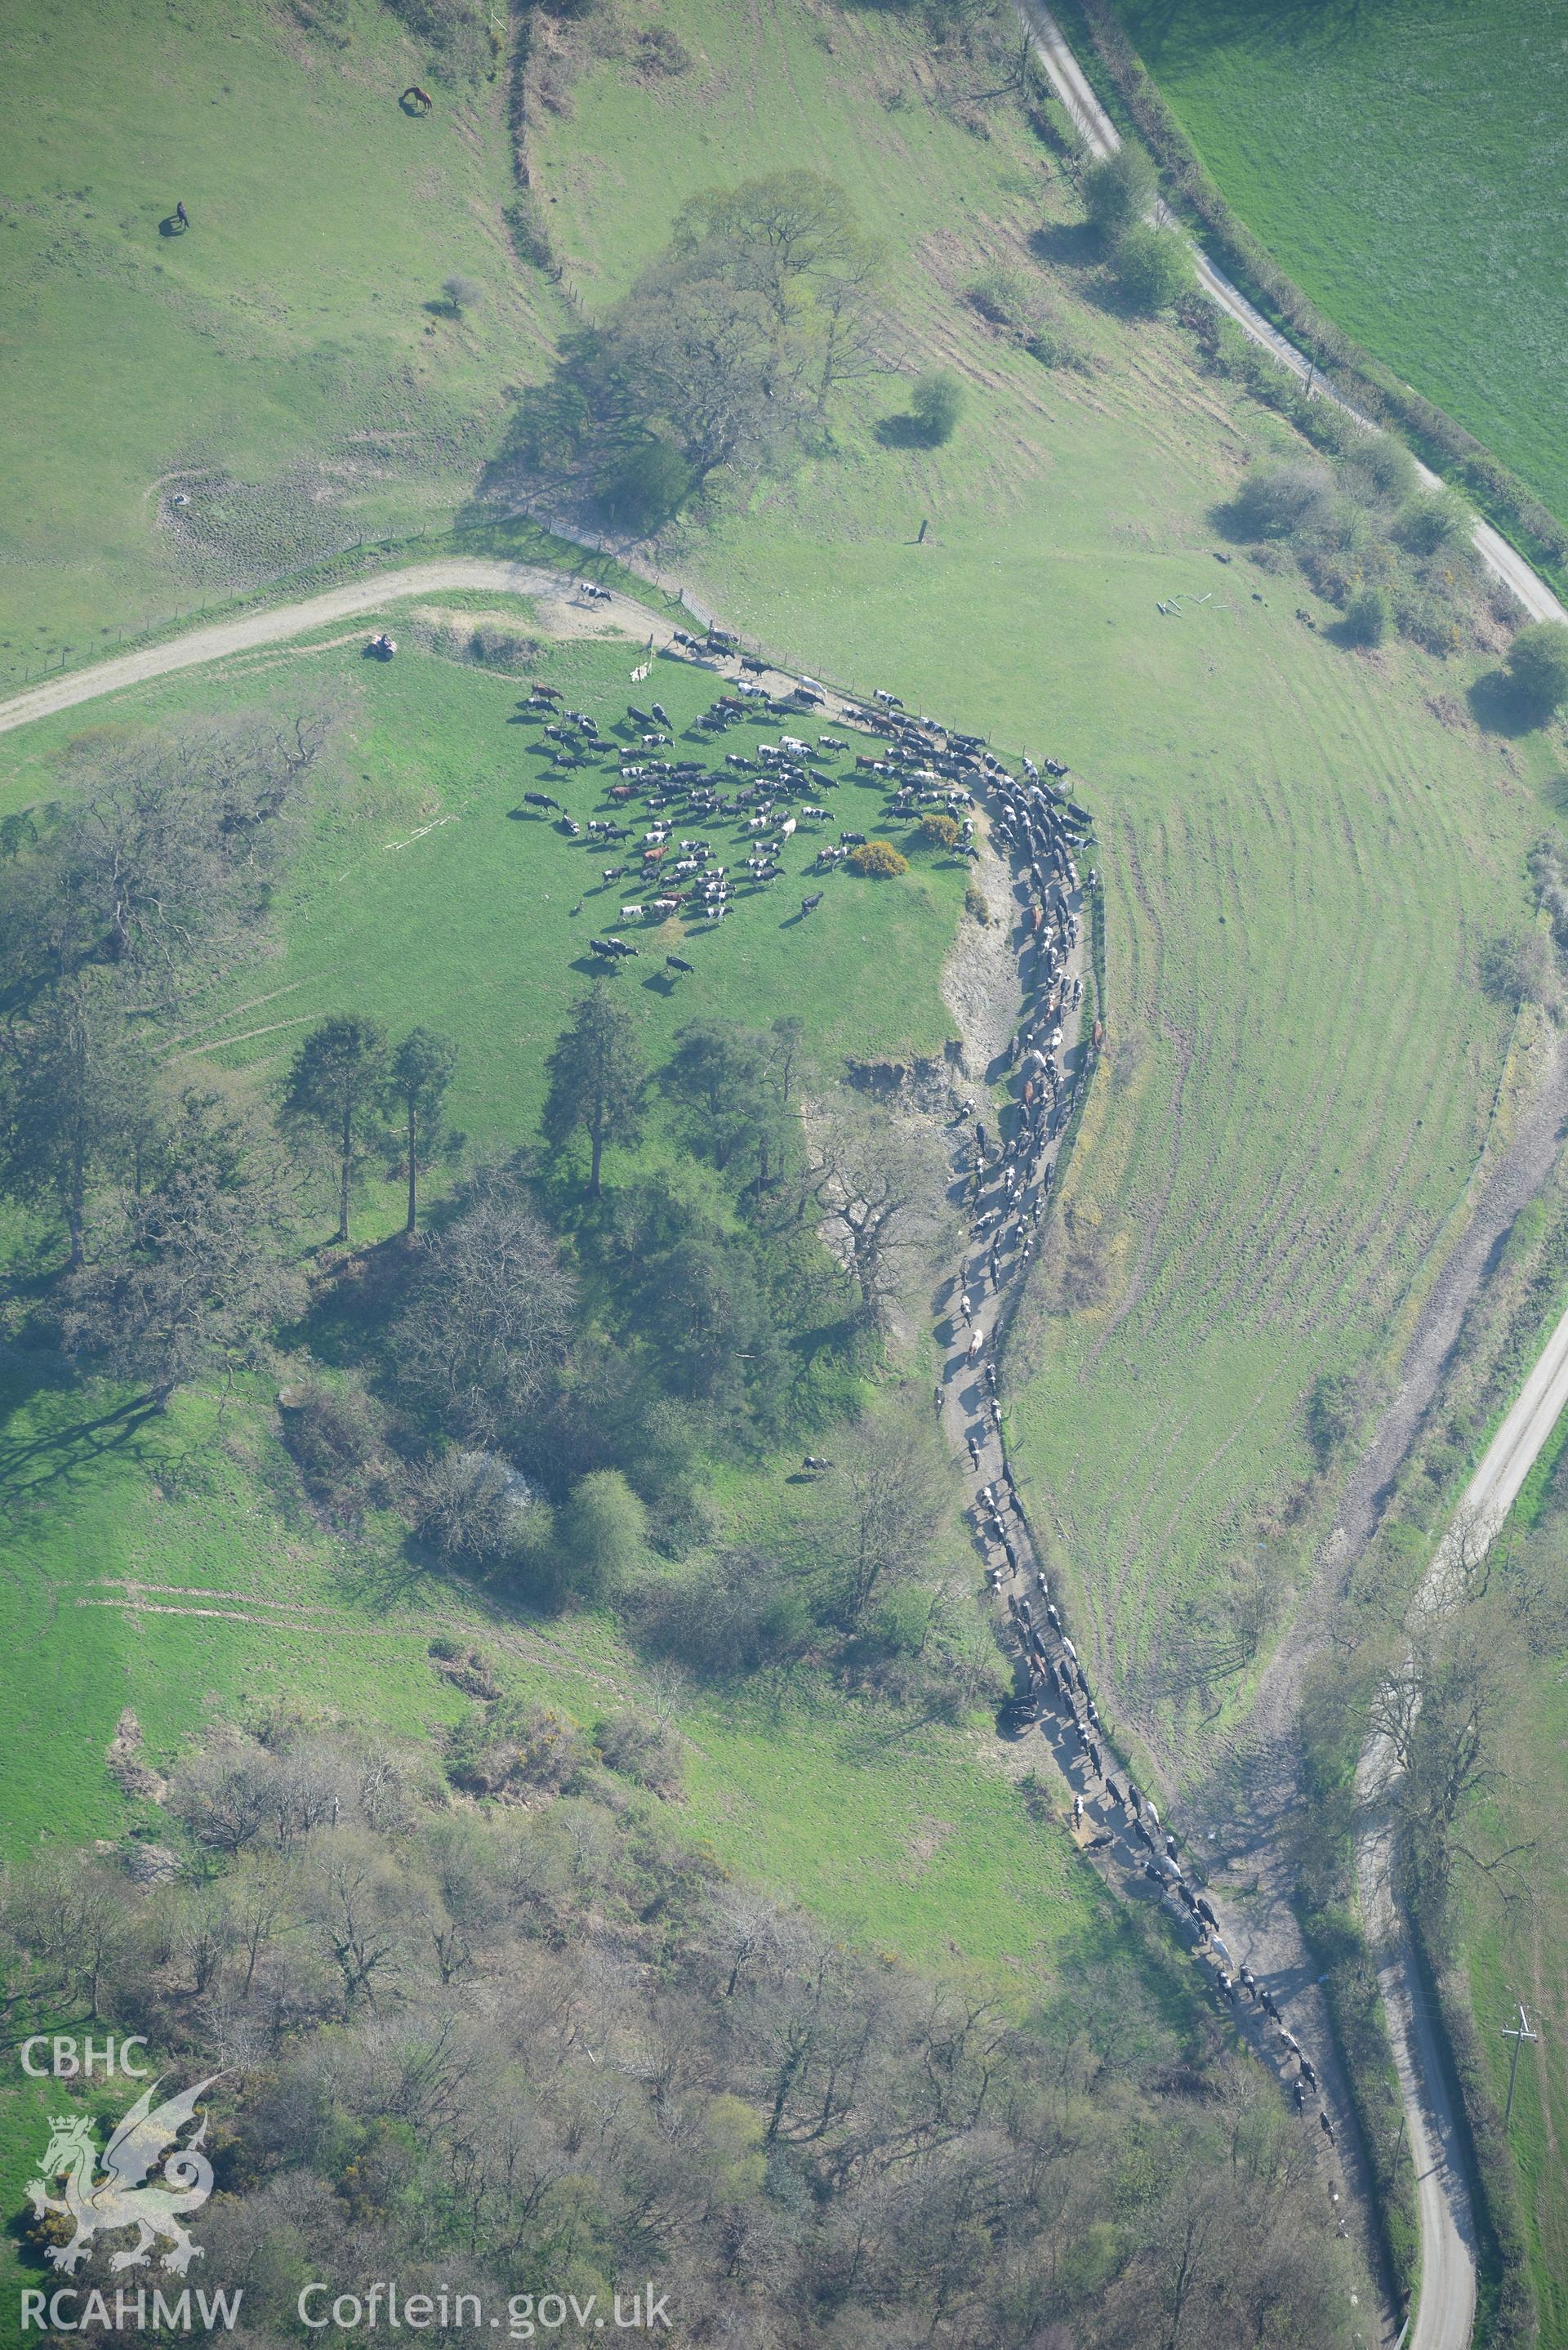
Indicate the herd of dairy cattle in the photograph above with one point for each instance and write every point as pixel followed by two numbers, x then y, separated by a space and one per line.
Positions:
pixel 660 808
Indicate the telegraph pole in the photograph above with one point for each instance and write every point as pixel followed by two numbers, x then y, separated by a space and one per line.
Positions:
pixel 1519 2033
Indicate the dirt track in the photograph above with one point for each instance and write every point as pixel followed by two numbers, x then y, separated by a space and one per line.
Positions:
pixel 561 612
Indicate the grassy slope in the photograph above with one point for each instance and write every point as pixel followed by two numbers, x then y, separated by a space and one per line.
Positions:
pixel 1517 1949
pixel 908 1837
pixel 1408 166
pixel 1302 857
pixel 284 340
pixel 470 926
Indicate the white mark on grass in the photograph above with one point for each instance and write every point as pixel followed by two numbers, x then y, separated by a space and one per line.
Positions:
pixel 419 833
pixel 221 1044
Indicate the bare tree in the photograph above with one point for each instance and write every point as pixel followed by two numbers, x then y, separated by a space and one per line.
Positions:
pixel 163 864
pixel 880 1186
pixel 490 1316
pixel 882 1507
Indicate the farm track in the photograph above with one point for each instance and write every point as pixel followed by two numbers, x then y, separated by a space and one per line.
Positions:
pixel 282 621
pixel 1264 1756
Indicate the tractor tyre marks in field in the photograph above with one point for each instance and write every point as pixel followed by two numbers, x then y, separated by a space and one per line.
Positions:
pixel 134 1598
pixel 1266 1937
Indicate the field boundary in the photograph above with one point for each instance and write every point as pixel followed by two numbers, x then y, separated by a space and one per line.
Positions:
pixel 1422 422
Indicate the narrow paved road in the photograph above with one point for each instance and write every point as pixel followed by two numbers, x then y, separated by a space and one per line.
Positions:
pixel 1445 2313
pixel 1101 138
pixel 276 624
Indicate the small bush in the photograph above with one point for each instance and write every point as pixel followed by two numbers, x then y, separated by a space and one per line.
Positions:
pixel 530 237
pixel 639 1749
pixel 940 831
pixel 1432 520
pixel 1330 1414
pixel 462 293
pixel 1054 348
pixel 513 1746
pixel 1011 299
pixel 453 29
pixel 603 1533
pixel 1280 501
pixel 662 54
pixel 1538 666
pixel 335 1436
pixel 1518 971
pixel 1366 615
pixel 1118 191
pixel 1425 618
pixel 1379 470
pixel 936 404
pixel 1154 268
pixel 976 904
pixel 468 1506
pixel 648 487
pixel 880 859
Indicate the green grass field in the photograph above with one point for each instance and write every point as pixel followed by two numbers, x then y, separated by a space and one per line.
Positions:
pixel 1302 850
pixel 1407 166
pixel 279 364
pixel 429 893
pixel 1512 1918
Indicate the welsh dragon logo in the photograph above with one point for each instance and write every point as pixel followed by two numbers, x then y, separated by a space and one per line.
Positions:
pixel 110 2194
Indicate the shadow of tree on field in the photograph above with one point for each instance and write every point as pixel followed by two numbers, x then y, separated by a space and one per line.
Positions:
pixel 1502 706
pixel 78 1439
